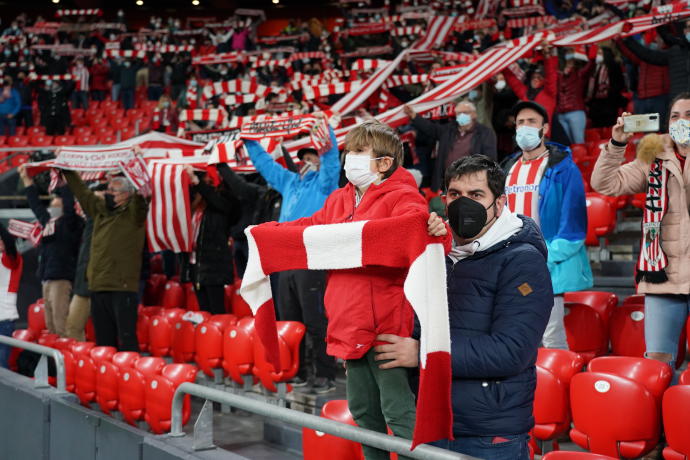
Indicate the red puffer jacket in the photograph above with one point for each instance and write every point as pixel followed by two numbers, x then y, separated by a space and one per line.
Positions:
pixel 364 302
pixel 547 96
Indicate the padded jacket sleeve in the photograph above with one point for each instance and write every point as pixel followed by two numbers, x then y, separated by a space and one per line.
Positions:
pixel 274 174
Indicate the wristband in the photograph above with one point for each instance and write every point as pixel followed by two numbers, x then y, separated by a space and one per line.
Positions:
pixel 618 144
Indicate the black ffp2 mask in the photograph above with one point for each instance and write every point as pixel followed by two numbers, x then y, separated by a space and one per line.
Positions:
pixel 109 201
pixel 467 217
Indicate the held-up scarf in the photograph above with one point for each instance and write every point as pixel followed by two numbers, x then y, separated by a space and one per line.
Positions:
pixel 274 248
pixel 32 232
pixel 651 265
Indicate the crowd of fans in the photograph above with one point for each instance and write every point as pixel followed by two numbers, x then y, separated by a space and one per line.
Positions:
pixel 518 229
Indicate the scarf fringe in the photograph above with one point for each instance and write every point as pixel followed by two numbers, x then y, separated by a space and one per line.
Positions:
pixel 651 277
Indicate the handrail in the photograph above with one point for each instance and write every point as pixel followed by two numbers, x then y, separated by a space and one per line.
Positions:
pixel 41 372
pixel 342 430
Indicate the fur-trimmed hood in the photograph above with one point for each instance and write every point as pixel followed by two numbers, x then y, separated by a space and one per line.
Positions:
pixel 650 146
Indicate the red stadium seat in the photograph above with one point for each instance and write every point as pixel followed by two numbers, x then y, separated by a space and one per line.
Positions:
pixel 562 363
pixel 627 333
pixel 36 317
pixel 238 350
pixel 3 139
pixel 605 133
pixel 192 303
pixel 87 139
pixel 128 132
pixel 63 140
pixel 655 376
pixel 70 369
pixel 638 200
pixel 173 295
pixel 160 390
pixel 81 130
pixel 570 455
pixel 208 342
pixel 18 141
pixel 240 308
pixel 613 415
pixel 20 131
pixel 103 130
pixel 26 335
pixel 107 139
pixel 41 140
pixel 107 394
pixel 684 378
pixel 579 152
pixel 317 445
pixel 87 367
pixel 98 121
pixel 551 406
pixel 35 130
pixel 603 302
pixel 64 343
pixel 118 124
pixel 676 407
pixel 47 339
pixel 290 334
pixel 155 286
pixel 182 341
pixel 635 299
pixel 160 331
pixel 601 218
pixel 133 114
pixel 585 331
pixel 82 348
pixel 131 387
pixel 592 135
pixel 115 113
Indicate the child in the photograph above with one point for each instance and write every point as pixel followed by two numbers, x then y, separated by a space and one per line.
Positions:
pixel 10 274
pixel 366 301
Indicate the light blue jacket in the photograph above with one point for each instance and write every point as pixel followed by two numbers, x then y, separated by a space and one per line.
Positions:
pixel 303 196
pixel 563 220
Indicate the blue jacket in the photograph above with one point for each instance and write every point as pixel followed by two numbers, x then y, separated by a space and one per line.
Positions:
pixel 499 302
pixel 302 197
pixel 563 220
pixel 12 104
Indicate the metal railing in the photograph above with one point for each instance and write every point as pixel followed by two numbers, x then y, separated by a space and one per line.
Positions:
pixel 41 372
pixel 203 427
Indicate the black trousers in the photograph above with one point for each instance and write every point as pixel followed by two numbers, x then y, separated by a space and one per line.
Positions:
pixel 300 298
pixel 211 298
pixel 114 316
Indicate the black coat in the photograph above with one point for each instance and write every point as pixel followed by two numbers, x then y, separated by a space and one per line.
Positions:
pixel 81 285
pixel 483 142
pixel 499 302
pixel 53 105
pixel 57 253
pixel 214 263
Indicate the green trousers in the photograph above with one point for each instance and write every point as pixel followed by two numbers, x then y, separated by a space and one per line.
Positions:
pixel 378 399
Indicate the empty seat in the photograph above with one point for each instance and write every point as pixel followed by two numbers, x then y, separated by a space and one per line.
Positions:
pixel 635 299
pixel 603 302
pixel 585 331
pixel 551 406
pixel 676 407
pixel 41 140
pixel 240 308
pixel 107 394
pixel 613 415
pixel 601 218
pixel 87 139
pixel 63 140
pixel 153 291
pixel 655 376
pixel 208 342
pixel 36 317
pixel 684 378
pixel 80 131
pixel 191 302
pixel 569 455
pixel 47 339
pixel 18 141
pixel 70 362
pixel 173 295
pixel 87 368
pixel 160 390
pixel 563 363
pixel 131 387
pixel 290 334
pixel 317 445
pixel 238 350
pixel 107 139
pixel 182 340
pixel 160 331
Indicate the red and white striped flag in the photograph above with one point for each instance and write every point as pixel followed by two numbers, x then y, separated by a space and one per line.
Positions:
pixel 169 221
pixel 274 247
pixel 127 54
pixel 315 92
pixel 365 65
pixel 80 12
pixel 438 29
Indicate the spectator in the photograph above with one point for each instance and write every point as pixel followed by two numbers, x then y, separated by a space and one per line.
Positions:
pixel 80 305
pixel 128 79
pixel 55 114
pixel 10 104
pixel 80 95
pixel 165 116
pixel 119 222
pixel 155 89
pixel 115 72
pixel 461 137
pixel 11 268
pixel 544 183
pixel 543 82
pixel 663 268
pixel 301 292
pixel 25 115
pixel 571 93
pixel 499 298
pixel 605 90
pixel 209 266
pixel 61 232
pixel 99 80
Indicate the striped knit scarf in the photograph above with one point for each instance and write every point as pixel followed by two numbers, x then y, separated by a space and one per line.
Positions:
pixel 274 248
pixel 651 266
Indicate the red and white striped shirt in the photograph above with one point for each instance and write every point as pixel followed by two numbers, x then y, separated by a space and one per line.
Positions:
pixel 81 76
pixel 10 275
pixel 522 186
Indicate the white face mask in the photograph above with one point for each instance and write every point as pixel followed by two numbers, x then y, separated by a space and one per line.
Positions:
pixel 500 84
pixel 55 212
pixel 308 166
pixel 358 171
pixel 680 132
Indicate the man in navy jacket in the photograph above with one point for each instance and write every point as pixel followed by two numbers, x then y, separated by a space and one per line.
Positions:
pixel 500 298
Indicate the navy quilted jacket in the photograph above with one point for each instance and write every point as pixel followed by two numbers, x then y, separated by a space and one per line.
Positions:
pixel 499 303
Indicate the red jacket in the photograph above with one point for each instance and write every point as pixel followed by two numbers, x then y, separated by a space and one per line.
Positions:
pixel 547 96
pixel 99 77
pixel 572 86
pixel 652 80
pixel 364 302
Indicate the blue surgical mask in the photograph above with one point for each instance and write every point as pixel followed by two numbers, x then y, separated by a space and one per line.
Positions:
pixel 473 95
pixel 463 119
pixel 687 36
pixel 528 138
pixel 654 46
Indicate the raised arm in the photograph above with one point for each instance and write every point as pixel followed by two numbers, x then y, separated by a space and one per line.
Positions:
pixel 655 57
pixel 329 174
pixel 243 190
pixel 274 174
pixel 10 245
pixel 90 203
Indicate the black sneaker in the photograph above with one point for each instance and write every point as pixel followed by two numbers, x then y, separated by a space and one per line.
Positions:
pixel 323 385
pixel 298 382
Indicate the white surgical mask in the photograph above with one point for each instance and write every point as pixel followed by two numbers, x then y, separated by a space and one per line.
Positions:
pixel 500 85
pixel 308 166
pixel 599 59
pixel 527 138
pixel 358 171
pixel 680 132
pixel 55 212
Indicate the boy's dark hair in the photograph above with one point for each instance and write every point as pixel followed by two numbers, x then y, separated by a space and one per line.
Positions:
pixel 495 175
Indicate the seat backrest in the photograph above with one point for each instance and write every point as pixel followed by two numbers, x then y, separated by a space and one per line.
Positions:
pixel 124 359
pixel 684 378
pixel 102 353
pixel 654 375
pixel 178 373
pixel 173 295
pixel 551 403
pixel 292 332
pixel 208 341
pixel 149 365
pixel 585 329
pixel 676 407
pixel 82 347
pixel 562 363
pixel 570 455
pixel 238 349
pixel 601 218
pixel 627 331
pixel 191 301
pixel 609 409
pixel 47 339
pixel 64 343
pixel 36 317
pixel 635 299
pixel 603 302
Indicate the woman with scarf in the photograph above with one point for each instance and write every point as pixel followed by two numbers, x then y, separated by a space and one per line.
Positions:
pixel 663 268
pixel 604 90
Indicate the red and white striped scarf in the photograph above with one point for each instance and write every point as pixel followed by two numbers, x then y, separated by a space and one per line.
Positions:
pixel 438 30
pixel 168 223
pixel 274 248
pixel 29 231
pixel 652 262
pixel 80 12
pixel 127 54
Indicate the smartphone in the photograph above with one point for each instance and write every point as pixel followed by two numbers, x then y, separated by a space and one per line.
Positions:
pixel 644 123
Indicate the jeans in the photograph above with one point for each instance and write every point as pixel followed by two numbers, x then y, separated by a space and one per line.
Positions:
pixel 574 125
pixel 115 92
pixel 127 98
pixel 554 334
pixel 6 328
pixel 80 100
pixel 509 447
pixel 7 126
pixel 664 319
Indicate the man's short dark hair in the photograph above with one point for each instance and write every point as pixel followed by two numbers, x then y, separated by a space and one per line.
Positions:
pixel 306 150
pixel 495 175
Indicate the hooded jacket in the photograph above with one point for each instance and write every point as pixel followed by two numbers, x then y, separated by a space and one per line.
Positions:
pixel 612 177
pixel 364 302
pixel 499 301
